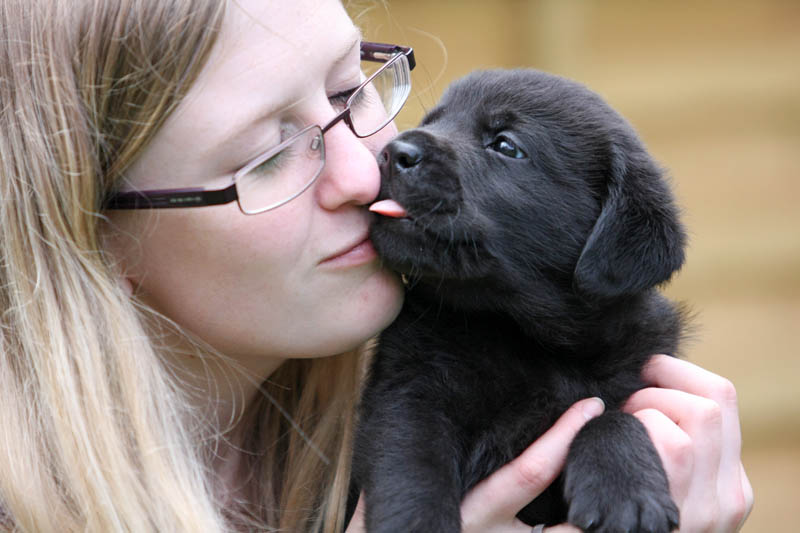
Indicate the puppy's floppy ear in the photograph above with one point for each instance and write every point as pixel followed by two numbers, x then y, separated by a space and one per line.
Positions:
pixel 637 241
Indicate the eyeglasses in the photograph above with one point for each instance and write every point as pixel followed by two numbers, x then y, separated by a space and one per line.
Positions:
pixel 284 172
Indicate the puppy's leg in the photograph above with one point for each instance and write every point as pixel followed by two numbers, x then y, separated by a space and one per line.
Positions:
pixel 614 480
pixel 409 471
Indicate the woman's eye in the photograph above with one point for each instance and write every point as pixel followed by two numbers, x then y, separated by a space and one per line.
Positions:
pixel 507 147
pixel 339 100
pixel 271 165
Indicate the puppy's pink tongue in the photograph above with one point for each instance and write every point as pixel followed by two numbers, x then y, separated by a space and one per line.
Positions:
pixel 388 208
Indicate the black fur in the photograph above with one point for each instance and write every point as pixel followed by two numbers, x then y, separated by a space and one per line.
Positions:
pixel 538 228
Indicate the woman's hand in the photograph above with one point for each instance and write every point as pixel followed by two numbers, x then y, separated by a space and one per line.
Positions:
pixel 491 506
pixel 693 419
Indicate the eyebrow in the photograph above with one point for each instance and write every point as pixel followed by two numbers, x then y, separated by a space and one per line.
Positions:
pixel 268 111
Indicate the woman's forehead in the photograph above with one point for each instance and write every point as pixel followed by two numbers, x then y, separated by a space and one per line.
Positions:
pixel 267 56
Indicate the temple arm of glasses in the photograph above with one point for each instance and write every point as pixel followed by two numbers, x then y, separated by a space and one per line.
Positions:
pixel 384 52
pixel 171 198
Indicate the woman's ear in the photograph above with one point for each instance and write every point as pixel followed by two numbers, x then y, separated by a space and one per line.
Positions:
pixel 637 241
pixel 116 244
pixel 126 284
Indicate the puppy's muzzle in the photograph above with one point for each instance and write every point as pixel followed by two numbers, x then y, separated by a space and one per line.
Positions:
pixel 419 171
pixel 400 157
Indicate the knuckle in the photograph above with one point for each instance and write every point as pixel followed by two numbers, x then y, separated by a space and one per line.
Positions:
pixel 532 473
pixel 749 496
pixel 708 413
pixel 724 392
pixel 649 413
pixel 740 506
pixel 737 514
pixel 679 451
pixel 679 446
pixel 650 418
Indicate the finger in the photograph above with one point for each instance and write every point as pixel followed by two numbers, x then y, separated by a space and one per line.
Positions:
pixel 669 372
pixel 513 486
pixel 699 417
pixel 674 446
pixel 735 503
pixel 356 524
pixel 695 414
pixel 672 373
pixel 747 489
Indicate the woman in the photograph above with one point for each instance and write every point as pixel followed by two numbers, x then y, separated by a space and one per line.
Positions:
pixel 166 369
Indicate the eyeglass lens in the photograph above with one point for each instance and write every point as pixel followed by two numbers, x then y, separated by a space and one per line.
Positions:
pixel 283 173
pixel 379 101
pixel 286 171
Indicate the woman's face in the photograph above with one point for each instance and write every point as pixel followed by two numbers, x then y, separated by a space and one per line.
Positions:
pixel 302 279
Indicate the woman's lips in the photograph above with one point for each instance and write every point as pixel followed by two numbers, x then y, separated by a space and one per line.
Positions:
pixel 358 254
pixel 363 251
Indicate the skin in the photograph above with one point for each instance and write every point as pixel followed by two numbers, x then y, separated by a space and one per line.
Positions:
pixel 279 278
pixel 262 289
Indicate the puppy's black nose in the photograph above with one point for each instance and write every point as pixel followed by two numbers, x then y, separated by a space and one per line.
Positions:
pixel 400 156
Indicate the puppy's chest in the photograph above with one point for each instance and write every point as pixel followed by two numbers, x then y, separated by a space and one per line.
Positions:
pixel 481 366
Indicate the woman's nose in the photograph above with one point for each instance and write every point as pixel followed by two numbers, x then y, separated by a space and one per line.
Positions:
pixel 351 174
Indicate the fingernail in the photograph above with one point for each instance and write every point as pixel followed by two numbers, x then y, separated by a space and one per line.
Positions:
pixel 593 407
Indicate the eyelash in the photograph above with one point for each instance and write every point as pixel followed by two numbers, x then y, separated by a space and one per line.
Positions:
pixel 340 98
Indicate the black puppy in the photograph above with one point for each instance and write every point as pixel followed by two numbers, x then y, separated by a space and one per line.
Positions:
pixel 532 227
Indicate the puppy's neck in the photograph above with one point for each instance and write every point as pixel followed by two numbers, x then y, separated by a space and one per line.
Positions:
pixel 644 323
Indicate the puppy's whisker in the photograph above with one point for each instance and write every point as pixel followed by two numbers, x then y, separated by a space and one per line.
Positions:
pixel 474 244
pixel 434 209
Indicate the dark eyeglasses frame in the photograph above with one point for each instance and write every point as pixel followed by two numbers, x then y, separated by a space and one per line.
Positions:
pixel 197 197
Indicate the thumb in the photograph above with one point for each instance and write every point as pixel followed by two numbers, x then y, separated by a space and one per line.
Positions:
pixel 515 485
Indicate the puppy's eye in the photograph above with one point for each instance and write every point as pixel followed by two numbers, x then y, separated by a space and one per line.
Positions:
pixel 507 147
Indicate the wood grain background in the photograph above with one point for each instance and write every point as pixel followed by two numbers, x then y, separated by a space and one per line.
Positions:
pixel 713 87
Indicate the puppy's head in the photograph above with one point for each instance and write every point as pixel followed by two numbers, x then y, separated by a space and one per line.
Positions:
pixel 524 189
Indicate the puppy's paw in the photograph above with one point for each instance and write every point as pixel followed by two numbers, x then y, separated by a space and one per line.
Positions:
pixel 610 511
pixel 614 481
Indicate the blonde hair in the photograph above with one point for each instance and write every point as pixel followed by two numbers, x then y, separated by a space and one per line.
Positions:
pixel 96 433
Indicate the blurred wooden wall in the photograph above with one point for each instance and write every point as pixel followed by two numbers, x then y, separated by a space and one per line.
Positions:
pixel 714 89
